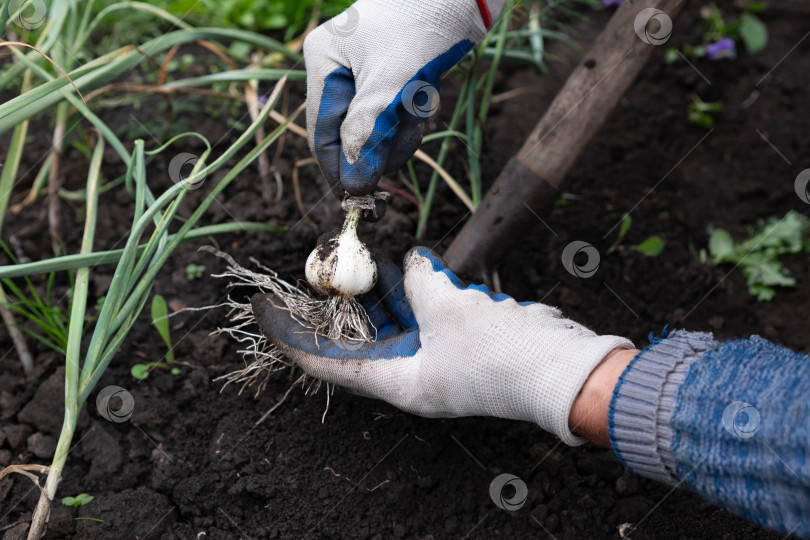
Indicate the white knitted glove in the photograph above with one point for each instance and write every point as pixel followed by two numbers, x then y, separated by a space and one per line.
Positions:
pixel 463 351
pixel 373 78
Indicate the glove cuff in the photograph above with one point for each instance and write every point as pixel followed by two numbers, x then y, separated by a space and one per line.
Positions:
pixel 537 362
pixel 564 382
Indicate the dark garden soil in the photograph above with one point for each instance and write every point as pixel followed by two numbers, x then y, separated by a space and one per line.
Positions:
pixel 190 463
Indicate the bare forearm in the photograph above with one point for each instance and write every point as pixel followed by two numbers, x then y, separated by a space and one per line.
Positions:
pixel 589 414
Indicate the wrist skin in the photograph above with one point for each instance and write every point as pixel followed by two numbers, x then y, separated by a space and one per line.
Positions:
pixel 589 413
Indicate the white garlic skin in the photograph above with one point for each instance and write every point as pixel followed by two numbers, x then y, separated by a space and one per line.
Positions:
pixel 342 266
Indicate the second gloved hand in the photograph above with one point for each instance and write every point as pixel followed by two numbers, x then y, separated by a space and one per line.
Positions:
pixel 373 78
pixel 452 351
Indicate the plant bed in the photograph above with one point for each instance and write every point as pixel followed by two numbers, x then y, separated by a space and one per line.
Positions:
pixel 190 459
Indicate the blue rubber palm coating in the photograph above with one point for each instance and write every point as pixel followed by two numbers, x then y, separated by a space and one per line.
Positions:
pixel 385 142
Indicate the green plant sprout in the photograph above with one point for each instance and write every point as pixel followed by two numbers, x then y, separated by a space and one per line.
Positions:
pixel 758 256
pixel 624 228
pixel 79 500
pixel 701 113
pixel 160 319
pixel 82 499
pixel 194 271
pixel 50 321
pixel 561 202
pixel 97 520
pixel 141 371
pixel 651 247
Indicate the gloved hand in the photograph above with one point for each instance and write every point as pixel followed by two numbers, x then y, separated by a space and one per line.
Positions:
pixel 453 351
pixel 373 78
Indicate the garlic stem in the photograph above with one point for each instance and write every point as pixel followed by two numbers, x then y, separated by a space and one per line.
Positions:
pixel 352 220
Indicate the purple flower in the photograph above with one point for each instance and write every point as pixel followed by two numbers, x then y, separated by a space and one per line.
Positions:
pixel 262 100
pixel 611 3
pixel 722 48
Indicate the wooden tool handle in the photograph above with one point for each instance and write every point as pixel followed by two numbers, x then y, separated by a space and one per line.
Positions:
pixel 532 179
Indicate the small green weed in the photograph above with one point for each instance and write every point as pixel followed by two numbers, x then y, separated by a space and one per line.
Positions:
pixel 160 318
pixel 50 322
pixel 758 256
pixel 79 500
pixel 651 247
pixel 701 113
pixel 194 271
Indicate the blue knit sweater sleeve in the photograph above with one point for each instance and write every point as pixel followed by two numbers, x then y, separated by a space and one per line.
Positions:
pixel 730 421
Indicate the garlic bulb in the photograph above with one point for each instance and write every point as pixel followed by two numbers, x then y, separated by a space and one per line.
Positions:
pixel 342 265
